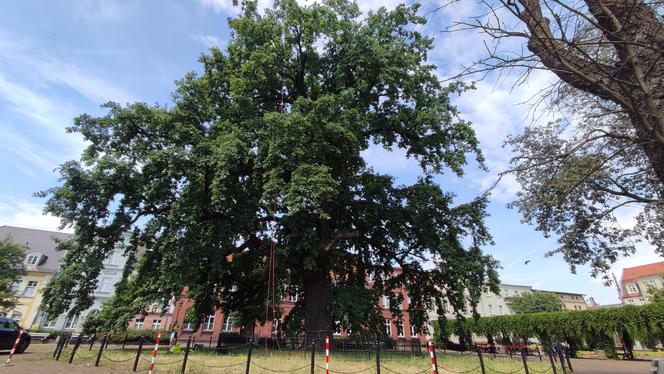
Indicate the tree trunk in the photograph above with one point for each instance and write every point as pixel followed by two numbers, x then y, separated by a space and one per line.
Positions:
pixel 318 307
pixel 635 80
pixel 631 25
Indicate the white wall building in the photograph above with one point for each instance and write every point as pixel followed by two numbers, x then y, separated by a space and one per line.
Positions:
pixel 110 274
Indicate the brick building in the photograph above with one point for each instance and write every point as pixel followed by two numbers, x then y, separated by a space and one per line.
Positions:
pixel 220 322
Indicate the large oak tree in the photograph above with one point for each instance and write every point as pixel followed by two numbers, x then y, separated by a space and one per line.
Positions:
pixel 258 165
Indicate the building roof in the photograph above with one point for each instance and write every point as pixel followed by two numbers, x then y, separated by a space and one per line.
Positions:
pixel 636 272
pixel 561 292
pixel 629 275
pixel 39 241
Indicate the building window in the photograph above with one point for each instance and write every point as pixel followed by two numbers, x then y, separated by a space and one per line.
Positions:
pixel 105 285
pixel 413 331
pixel 500 309
pixel 386 301
pixel 187 326
pixel 71 322
pixel 396 297
pixel 156 324
pixel 337 327
pixel 48 324
pixel 400 331
pixel 388 327
pixel 138 324
pixel 275 326
pixel 631 288
pixel 641 301
pixel 17 316
pixel 32 259
pixel 490 309
pixel 208 325
pixel 293 298
pixel 30 289
pixel 228 323
pixel 113 259
pixel 631 301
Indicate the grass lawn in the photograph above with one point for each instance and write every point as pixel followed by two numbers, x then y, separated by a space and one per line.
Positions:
pixel 299 362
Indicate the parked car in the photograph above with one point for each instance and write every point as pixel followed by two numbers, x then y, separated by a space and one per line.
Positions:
pixel 9 330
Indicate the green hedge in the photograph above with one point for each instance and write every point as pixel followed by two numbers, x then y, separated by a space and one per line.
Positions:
pixel 594 326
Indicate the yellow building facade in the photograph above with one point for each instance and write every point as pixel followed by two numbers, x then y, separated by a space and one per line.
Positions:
pixel 41 262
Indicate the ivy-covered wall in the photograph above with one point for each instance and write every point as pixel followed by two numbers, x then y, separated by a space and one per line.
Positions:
pixel 595 327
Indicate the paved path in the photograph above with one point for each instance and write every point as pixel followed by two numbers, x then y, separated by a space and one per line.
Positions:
pixel 591 366
pixel 37 360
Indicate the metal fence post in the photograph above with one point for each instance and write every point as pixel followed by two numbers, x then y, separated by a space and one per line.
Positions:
pixel 101 349
pixel 138 352
pixel 377 356
pixel 251 344
pixel 479 354
pixel 92 342
pixel 553 364
pixel 567 355
pixel 57 345
pixel 562 360
pixel 186 355
pixel 539 354
pixel 313 357
pixel 73 352
pixel 524 358
pixel 124 341
pixel 62 347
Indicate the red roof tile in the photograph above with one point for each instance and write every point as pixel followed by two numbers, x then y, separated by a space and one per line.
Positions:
pixel 636 272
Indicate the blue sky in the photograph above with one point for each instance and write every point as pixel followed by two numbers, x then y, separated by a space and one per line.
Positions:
pixel 60 59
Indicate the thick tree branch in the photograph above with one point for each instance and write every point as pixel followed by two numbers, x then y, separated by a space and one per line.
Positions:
pixel 329 247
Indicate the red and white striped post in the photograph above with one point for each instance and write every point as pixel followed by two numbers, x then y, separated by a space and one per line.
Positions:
pixel 327 355
pixel 18 339
pixel 154 353
pixel 433 358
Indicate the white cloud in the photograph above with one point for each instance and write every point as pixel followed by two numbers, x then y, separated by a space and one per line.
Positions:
pixel 219 6
pixel 94 87
pixel 24 213
pixel 50 70
pixel 209 41
pixel 23 151
pixel 102 10
pixel 31 104
pixel 48 113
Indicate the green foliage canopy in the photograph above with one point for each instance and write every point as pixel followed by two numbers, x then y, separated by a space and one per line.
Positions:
pixel 205 186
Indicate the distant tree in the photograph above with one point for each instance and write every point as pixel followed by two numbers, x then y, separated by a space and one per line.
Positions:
pixel 656 294
pixel 536 302
pixel 11 270
pixel 243 186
